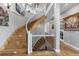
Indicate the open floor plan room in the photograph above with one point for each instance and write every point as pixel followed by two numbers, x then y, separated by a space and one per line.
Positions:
pixel 39 29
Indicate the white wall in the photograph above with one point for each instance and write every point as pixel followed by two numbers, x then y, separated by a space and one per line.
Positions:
pixel 71 11
pixel 48 28
pixel 39 30
pixel 72 37
pixel 28 15
pixel 15 21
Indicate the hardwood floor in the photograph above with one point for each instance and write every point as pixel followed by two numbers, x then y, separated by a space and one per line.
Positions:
pixel 43 53
pixel 68 53
pixel 66 50
pixel 16 43
pixel 63 52
pixel 52 53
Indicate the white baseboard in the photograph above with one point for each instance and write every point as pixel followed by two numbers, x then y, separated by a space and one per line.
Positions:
pixel 29 51
pixel 56 50
pixel 76 48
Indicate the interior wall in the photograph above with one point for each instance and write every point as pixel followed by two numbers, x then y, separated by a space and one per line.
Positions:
pixel 15 21
pixel 72 37
pixel 48 28
pixel 39 30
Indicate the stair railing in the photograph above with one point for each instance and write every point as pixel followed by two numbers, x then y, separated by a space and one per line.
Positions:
pixel 29 38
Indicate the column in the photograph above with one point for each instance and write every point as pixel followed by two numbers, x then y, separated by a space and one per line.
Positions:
pixel 57 26
pixel 29 42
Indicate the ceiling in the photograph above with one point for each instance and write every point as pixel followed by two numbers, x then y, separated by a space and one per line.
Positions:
pixel 63 8
pixel 36 7
pixel 42 7
pixel 66 6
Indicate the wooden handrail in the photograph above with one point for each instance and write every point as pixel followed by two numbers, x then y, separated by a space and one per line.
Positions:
pixel 33 24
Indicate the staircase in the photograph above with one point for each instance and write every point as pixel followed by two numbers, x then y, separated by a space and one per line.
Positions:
pixel 50 40
pixel 16 44
pixel 33 24
pixel 43 41
pixel 38 44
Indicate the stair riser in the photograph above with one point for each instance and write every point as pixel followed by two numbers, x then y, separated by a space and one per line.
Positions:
pixel 17 42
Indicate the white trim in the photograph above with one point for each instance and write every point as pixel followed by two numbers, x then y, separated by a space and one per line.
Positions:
pixel 57 26
pixel 27 23
pixel 29 51
pixel 76 48
pixel 29 42
pixel 49 8
pixel 42 35
pixel 56 50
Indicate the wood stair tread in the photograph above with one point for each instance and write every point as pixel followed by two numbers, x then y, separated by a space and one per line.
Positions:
pixel 38 44
pixel 16 44
pixel 13 52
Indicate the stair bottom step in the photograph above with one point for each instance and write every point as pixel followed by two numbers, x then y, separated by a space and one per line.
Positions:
pixel 13 52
